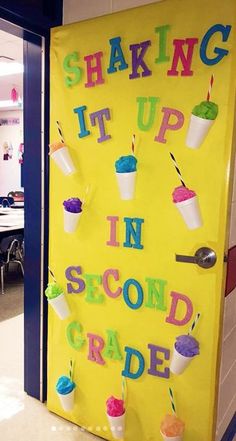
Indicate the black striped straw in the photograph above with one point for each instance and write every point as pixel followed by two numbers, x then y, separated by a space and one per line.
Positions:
pixel 71 369
pixel 54 279
pixel 60 131
pixel 194 323
pixel 172 401
pixel 177 169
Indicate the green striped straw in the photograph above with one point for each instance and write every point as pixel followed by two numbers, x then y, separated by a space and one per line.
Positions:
pixel 123 388
pixel 194 323
pixel 71 370
pixel 172 401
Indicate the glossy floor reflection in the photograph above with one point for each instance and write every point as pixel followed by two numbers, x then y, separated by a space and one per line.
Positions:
pixel 23 417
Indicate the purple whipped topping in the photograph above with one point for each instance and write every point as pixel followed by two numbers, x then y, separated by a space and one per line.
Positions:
pixel 187 345
pixel 73 205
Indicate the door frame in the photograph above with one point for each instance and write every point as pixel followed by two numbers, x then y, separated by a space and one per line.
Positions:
pixel 36 179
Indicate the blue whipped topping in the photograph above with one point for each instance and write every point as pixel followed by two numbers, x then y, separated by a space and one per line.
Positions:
pixel 126 164
pixel 64 385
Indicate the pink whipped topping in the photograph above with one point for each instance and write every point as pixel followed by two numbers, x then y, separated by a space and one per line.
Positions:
pixel 115 407
pixel 182 193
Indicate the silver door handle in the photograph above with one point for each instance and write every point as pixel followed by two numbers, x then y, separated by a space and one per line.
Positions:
pixel 204 257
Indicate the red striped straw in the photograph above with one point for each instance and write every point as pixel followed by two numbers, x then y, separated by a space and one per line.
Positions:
pixel 210 87
pixel 133 143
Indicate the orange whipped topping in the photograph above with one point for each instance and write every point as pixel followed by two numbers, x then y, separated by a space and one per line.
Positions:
pixel 172 426
pixel 55 146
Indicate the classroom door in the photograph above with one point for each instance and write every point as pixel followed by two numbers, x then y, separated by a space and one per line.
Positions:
pixel 148 256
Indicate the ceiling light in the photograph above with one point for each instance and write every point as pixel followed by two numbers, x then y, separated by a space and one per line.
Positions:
pixel 9 103
pixel 10 68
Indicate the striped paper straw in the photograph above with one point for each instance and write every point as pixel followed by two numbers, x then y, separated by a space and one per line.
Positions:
pixel 123 394
pixel 194 323
pixel 60 131
pixel 85 194
pixel 133 143
pixel 210 87
pixel 172 401
pixel 71 369
pixel 54 279
pixel 177 169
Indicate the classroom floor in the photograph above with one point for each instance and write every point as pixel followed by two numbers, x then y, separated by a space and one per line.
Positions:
pixel 22 417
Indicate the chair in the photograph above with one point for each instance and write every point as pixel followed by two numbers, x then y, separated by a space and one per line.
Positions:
pixel 11 251
pixel 18 196
pixel 6 201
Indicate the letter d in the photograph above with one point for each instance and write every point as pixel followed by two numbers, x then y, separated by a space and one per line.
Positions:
pixel 139 358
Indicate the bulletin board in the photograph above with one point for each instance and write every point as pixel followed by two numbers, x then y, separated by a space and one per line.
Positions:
pixel 126 84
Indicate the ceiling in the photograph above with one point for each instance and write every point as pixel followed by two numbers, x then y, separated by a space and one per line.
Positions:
pixel 11 46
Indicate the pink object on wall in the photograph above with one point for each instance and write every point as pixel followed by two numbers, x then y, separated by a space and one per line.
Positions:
pixel 14 95
pixel 21 153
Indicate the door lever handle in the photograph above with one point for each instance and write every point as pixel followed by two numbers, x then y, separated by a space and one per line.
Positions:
pixel 204 257
pixel 185 259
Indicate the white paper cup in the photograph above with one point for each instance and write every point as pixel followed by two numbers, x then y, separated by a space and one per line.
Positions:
pixel 67 401
pixel 63 159
pixel 197 131
pixel 60 306
pixel 179 362
pixel 117 426
pixel 71 221
pixel 190 212
pixel 171 438
pixel 126 184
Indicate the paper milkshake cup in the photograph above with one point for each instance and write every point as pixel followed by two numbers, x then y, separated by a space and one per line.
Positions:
pixel 126 184
pixel 71 221
pixel 67 401
pixel 60 306
pixel 197 131
pixel 190 212
pixel 171 438
pixel 117 426
pixel 179 362
pixel 63 160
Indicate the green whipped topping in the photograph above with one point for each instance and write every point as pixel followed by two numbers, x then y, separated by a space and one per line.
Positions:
pixel 53 290
pixel 206 110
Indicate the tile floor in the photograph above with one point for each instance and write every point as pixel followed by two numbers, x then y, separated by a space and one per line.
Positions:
pixel 23 417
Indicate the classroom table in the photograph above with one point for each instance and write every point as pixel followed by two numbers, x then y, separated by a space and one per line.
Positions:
pixel 11 221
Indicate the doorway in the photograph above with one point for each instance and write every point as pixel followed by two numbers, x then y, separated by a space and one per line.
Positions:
pixel 34 177
pixel 11 218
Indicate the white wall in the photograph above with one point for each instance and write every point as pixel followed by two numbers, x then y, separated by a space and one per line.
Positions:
pixel 227 386
pixel 10 170
pixel 77 10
